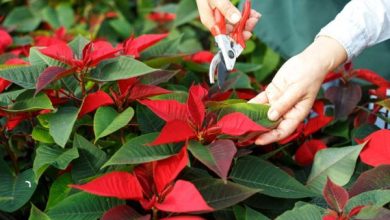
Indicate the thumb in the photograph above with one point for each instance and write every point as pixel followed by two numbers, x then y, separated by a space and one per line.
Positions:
pixel 231 13
pixel 285 103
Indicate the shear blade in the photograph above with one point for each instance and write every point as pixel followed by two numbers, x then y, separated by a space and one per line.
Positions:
pixel 213 67
pixel 222 73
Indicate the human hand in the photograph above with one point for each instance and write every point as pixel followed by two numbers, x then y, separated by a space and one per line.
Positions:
pixel 294 88
pixel 231 13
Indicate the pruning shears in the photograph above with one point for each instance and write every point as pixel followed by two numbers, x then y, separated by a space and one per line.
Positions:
pixel 230 45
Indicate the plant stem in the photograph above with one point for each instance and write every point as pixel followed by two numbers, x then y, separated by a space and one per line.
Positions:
pixel 122 136
pixel 155 212
pixel 82 84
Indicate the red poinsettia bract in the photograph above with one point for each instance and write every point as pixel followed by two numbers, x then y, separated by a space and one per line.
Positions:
pixel 134 46
pixel 59 36
pixel 93 101
pixel 189 121
pixel 93 54
pixel 162 17
pixel 376 152
pixel 154 185
pixel 305 153
pixel 5 40
pixel 132 89
pixel 337 198
pixel 201 57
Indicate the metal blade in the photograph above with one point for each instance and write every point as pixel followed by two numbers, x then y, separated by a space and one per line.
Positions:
pixel 222 73
pixel 213 66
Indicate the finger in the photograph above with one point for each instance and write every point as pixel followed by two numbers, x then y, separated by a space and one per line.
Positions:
pixel 290 97
pixel 231 13
pixel 300 110
pixel 206 14
pixel 255 14
pixel 273 92
pixel 250 24
pixel 247 35
pixel 284 129
pixel 259 99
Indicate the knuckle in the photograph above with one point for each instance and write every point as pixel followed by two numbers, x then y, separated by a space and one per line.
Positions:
pixel 278 134
pixel 224 5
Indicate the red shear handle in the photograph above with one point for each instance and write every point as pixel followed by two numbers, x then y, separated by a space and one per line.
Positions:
pixel 220 23
pixel 237 33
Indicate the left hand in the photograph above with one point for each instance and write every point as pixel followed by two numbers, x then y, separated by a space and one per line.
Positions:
pixel 294 88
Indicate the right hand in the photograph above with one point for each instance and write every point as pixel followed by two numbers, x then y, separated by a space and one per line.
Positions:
pixel 231 13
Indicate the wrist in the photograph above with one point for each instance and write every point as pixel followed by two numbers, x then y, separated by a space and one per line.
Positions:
pixel 325 53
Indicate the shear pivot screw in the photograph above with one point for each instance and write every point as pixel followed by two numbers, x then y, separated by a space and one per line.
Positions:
pixel 231 54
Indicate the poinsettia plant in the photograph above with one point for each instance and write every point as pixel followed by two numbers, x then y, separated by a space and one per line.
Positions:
pixel 106 113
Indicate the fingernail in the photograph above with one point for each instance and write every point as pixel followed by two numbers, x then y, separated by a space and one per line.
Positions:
pixel 273 115
pixel 235 18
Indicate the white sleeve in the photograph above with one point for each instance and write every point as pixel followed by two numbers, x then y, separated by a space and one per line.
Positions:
pixel 362 23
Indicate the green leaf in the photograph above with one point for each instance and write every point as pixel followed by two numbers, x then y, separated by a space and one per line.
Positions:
pixel 163 48
pixel 27 102
pixel 107 121
pixel 50 16
pixel 41 134
pixel 179 96
pixel 239 80
pixel 78 44
pixel 52 156
pixel 121 26
pixel 220 195
pixel 377 198
pixel 246 213
pixel 37 58
pixel 336 163
pixel 6 98
pixel 186 12
pixel 61 124
pixel 376 178
pixel 21 19
pixel 253 214
pixel 247 67
pixel 24 76
pixel 22 41
pixel 120 68
pixel 304 212
pixel 338 129
pixel 15 190
pixel 90 160
pixel 217 156
pixel 59 190
pixel 269 61
pixel 36 214
pixel 256 112
pixel 373 213
pixel 65 15
pixel 136 151
pixel 158 77
pixel 163 60
pixel 271 179
pixel 61 15
pixel 82 206
pixel 148 121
